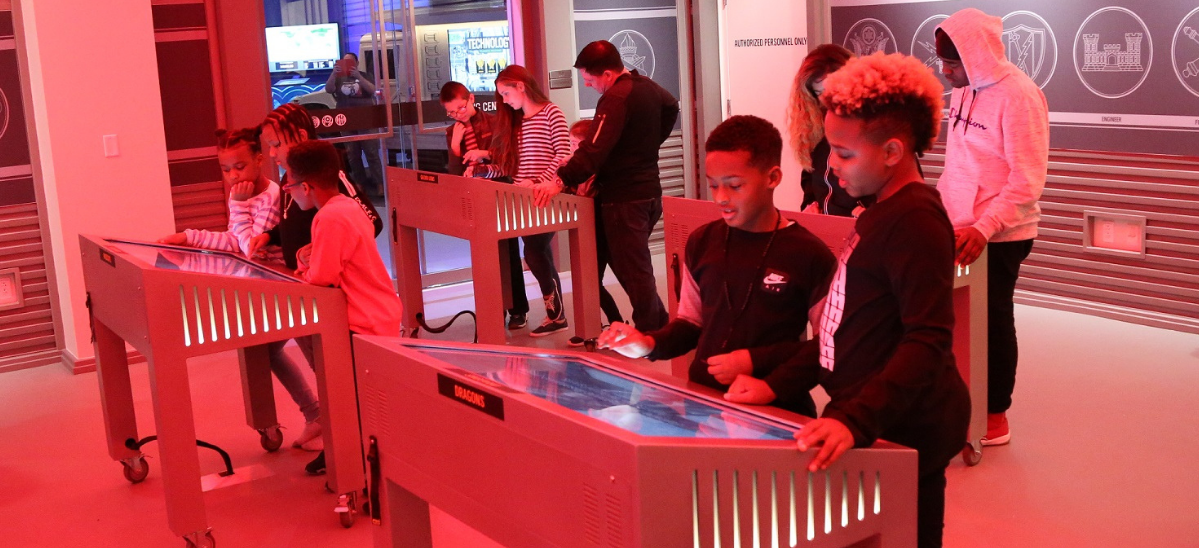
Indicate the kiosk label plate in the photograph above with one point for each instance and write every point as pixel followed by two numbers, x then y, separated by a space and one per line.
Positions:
pixel 471 396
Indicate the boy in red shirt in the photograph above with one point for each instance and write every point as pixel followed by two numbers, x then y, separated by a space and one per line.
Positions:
pixel 342 253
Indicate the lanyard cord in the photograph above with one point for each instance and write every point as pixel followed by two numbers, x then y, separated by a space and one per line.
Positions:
pixel 728 299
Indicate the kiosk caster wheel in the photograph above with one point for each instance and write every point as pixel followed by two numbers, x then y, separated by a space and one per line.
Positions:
pixel 135 469
pixel 196 540
pixel 347 508
pixel 972 454
pixel 271 438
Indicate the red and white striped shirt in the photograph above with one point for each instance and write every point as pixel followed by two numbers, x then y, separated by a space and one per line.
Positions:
pixel 247 219
pixel 543 141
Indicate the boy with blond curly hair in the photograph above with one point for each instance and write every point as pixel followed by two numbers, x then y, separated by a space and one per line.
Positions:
pixel 883 350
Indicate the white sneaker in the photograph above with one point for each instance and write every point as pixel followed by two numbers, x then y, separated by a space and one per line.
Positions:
pixel 310 438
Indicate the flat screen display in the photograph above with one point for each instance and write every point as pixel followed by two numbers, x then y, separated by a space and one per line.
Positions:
pixel 630 403
pixel 298 48
pixel 201 261
pixel 478 53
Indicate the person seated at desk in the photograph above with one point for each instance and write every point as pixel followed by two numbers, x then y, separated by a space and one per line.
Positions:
pixel 750 278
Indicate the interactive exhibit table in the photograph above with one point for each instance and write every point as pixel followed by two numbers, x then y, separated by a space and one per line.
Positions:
pixel 488 214
pixel 171 304
pixel 575 450
pixel 682 216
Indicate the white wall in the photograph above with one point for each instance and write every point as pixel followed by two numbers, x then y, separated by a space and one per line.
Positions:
pixel 757 71
pixel 93 72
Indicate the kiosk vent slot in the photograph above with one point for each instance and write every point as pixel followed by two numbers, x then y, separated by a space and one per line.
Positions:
pixel 468 210
pixel 811 510
pixel 303 313
pixel 250 313
pixel 225 315
pixel 591 514
pixel 291 318
pixel 696 542
pixel 878 493
pixel 266 321
pixel 845 498
pixel 716 507
pixel 861 496
pixel 736 511
pixel 278 316
pixel 199 320
pixel 615 519
pixel 187 336
pixel 757 518
pixel 241 332
pixel 828 503
pixel 794 511
pixel 211 314
pixel 315 318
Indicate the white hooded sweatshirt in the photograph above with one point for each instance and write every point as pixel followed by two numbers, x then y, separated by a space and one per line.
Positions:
pixel 997 153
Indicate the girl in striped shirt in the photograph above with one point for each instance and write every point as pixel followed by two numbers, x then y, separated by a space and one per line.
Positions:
pixel 531 138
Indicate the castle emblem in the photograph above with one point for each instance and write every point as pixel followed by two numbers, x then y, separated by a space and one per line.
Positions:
pixel 636 52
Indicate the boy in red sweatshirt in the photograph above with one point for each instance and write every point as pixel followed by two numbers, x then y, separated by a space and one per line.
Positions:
pixel 883 350
pixel 342 253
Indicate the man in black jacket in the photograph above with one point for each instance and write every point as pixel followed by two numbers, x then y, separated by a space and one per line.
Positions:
pixel 632 119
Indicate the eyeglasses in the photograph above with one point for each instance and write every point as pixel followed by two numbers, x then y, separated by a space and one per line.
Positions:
pixel 458 111
pixel 291 184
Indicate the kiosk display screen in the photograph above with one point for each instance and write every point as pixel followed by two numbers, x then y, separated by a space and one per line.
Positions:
pixel 299 48
pixel 630 403
pixel 200 261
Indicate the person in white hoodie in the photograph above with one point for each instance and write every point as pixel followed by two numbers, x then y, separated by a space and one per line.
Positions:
pixel 996 160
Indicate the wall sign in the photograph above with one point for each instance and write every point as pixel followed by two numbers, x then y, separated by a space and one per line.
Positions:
pixel 1117 77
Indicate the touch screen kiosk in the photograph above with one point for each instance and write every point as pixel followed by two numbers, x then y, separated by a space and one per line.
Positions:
pixel 682 216
pixel 574 450
pixel 487 213
pixel 173 303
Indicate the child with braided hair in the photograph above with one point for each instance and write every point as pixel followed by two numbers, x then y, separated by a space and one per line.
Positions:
pixel 883 350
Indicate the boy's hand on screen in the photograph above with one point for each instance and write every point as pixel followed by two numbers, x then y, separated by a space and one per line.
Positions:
pixel 747 389
pixel 726 367
pixel 242 191
pixel 813 207
pixel 303 255
pixel 833 438
pixel 970 243
pixel 254 250
pixel 626 341
pixel 178 238
pixel 469 171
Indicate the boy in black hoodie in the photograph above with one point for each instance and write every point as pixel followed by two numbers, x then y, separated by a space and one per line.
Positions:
pixel 884 346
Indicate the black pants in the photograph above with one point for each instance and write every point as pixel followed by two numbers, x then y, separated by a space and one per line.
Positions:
pixel 539 255
pixel 938 435
pixel 606 301
pixel 516 281
pixel 627 226
pixel 1003 268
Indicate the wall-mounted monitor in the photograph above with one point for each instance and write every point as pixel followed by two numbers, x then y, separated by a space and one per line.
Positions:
pixel 300 48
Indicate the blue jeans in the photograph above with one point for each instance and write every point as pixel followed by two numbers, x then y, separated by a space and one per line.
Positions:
pixel 292 377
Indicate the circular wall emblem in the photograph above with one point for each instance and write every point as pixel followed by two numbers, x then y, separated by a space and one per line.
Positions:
pixel 3 114
pixel 341 119
pixel 636 52
pixel 924 47
pixel 1113 52
pixel 1184 52
pixel 327 120
pixel 1030 45
pixel 316 121
pixel 868 36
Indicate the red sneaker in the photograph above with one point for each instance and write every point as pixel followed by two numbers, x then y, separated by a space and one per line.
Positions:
pixel 998 432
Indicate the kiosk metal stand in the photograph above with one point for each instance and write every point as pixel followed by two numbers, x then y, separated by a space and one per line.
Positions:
pixel 487 214
pixel 174 303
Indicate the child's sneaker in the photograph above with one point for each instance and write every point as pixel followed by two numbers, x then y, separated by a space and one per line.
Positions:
pixel 517 321
pixel 310 438
pixel 549 327
pixel 998 432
